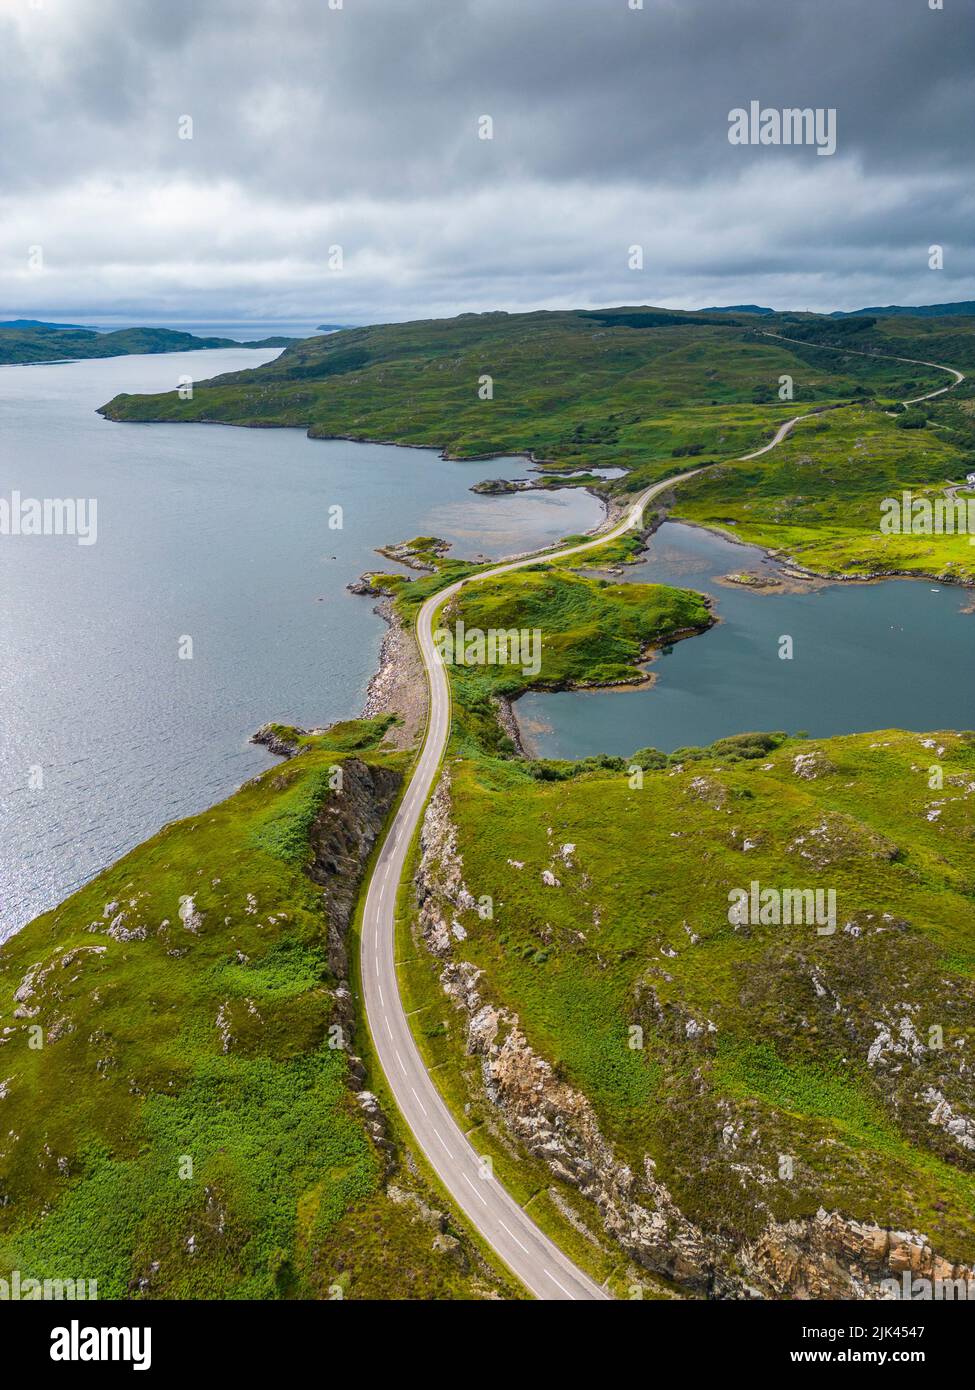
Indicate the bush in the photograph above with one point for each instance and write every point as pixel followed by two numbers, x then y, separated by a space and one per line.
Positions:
pixel 649 759
pixel 740 746
pixel 912 419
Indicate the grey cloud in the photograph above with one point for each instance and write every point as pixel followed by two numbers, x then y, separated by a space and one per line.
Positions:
pixel 358 125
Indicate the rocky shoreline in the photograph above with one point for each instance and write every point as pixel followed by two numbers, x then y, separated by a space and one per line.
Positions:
pixel 399 684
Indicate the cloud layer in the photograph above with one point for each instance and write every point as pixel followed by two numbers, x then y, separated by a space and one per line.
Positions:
pixel 315 127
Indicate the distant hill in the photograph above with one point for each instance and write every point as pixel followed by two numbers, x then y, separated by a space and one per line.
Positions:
pixel 586 387
pixel 927 311
pixel 736 309
pixel 39 323
pixel 921 311
pixel 24 341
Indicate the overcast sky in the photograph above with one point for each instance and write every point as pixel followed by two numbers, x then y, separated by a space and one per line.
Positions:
pixel 357 127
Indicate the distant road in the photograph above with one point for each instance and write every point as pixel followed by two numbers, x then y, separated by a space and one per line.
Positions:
pixel 504 1225
pixel 885 356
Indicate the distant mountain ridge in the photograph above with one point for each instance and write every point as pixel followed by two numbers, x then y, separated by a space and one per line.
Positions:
pixel 24 341
pixel 39 323
pixel 923 311
pixel 735 309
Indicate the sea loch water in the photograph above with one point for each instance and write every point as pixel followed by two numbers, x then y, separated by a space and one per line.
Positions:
pixel 898 654
pixel 216 534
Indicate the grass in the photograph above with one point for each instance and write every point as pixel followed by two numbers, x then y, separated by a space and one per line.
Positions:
pixel 817 497
pixel 577 388
pixel 188 1128
pixel 650 392
pixel 528 1180
pixel 767 1031
pixel 611 948
pixel 590 632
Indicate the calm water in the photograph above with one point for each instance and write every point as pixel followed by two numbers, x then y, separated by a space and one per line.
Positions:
pixel 869 656
pixel 219 534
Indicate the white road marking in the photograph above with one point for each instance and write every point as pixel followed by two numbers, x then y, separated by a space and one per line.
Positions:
pixel 479 1195
pixel 513 1237
pixel 561 1286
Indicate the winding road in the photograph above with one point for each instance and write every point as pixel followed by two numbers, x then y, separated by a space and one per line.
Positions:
pixel 496 1216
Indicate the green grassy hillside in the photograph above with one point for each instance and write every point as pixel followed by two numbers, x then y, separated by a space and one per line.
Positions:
pixel 648 391
pixel 177 1078
pixel 580 631
pixel 581 388
pixel 825 1047
pixel 817 497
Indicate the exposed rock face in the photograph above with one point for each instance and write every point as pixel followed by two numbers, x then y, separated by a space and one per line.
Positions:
pixel 342 836
pixel 272 737
pixel 827 1256
pixel 36 981
pixel 830 1257
pixel 416 553
pixel 812 764
pixel 500 487
pixel 863 992
pixel 363 586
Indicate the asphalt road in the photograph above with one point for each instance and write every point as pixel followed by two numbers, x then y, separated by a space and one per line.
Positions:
pixel 523 1247
pixel 503 1224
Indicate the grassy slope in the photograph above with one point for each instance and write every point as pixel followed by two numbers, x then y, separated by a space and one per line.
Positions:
pixel 818 496
pixel 592 633
pixel 795 1014
pixel 286 1196
pixel 582 963
pixel 588 390
pixel 638 389
pixel 611 947
pixel 583 389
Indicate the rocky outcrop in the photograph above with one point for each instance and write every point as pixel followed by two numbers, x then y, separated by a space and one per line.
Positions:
pixel 418 554
pixel 831 1257
pixel 826 1256
pixel 501 487
pixel 364 586
pixel 342 836
pixel 509 723
pixel 281 741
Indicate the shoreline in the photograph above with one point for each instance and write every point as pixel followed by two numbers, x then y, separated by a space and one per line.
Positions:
pixel 791 578
pixel 781 558
pixel 397 686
